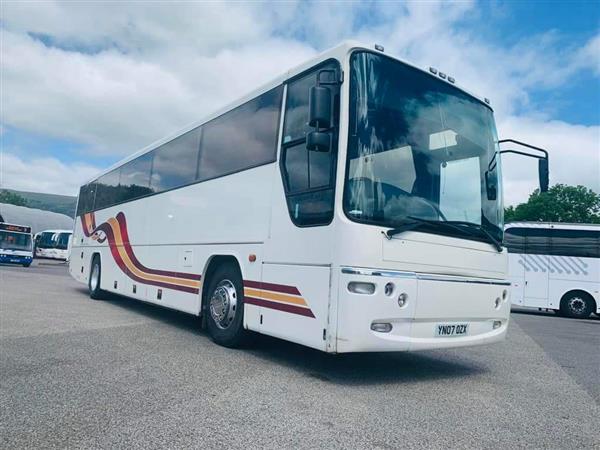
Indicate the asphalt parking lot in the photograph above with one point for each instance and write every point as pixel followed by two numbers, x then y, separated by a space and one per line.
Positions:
pixel 119 373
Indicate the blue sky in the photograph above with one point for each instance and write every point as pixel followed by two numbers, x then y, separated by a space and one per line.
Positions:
pixel 86 84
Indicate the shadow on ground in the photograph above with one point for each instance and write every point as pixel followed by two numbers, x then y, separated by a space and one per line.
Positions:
pixel 344 369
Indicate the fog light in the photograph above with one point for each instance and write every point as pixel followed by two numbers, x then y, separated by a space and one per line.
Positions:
pixel 497 324
pixel 504 294
pixel 359 287
pixel 497 303
pixel 389 289
pixel 381 327
pixel 402 299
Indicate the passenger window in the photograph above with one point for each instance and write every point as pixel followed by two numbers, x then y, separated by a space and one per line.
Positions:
pixel 86 198
pixel 135 178
pixel 242 138
pixel 576 243
pixel 514 240
pixel 107 189
pixel 308 176
pixel 175 162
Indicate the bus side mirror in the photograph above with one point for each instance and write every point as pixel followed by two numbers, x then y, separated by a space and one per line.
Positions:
pixel 319 107
pixel 318 141
pixel 544 174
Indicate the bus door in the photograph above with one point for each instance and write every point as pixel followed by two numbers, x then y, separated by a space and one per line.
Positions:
pixel 296 285
pixel 537 243
pixel 514 240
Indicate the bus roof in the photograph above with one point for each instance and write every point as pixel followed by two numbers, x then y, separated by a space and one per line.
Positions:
pixel 338 52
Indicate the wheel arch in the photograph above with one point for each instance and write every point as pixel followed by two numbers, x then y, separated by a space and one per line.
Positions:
pixel 209 268
pixel 94 254
pixel 581 292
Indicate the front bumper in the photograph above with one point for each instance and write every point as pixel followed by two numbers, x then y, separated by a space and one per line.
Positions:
pixel 432 300
pixel 15 259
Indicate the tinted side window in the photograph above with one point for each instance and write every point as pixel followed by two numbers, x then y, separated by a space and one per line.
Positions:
pixel 242 138
pixel 135 178
pixel 514 240
pixel 107 189
pixel 537 241
pixel 308 176
pixel 579 243
pixel 86 199
pixel 175 162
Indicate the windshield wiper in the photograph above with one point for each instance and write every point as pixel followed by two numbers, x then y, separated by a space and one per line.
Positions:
pixel 468 228
pixel 482 231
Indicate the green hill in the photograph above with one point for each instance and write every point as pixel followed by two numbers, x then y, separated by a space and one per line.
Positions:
pixel 63 204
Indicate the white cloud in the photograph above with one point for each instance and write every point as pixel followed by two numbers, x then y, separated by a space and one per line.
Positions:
pixel 43 174
pixel 119 76
pixel 574 155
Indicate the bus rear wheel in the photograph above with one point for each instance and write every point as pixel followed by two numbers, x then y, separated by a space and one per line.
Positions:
pixel 577 304
pixel 224 307
pixel 94 280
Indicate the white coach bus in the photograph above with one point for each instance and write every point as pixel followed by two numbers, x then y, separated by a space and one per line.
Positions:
pixel 53 244
pixel 352 204
pixel 555 266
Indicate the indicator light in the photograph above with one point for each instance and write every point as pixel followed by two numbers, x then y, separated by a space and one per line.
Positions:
pixel 402 299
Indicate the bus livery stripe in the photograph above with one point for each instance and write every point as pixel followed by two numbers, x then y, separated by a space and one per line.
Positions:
pixel 125 237
pixel 279 306
pixel 276 296
pixel 115 231
pixel 272 287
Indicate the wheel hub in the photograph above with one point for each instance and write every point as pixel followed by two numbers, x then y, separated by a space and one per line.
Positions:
pixel 223 304
pixel 577 305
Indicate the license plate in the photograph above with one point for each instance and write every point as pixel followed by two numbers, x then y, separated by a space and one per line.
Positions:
pixel 451 329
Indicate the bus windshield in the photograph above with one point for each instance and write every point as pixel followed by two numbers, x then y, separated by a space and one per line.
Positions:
pixel 51 239
pixel 419 149
pixel 15 241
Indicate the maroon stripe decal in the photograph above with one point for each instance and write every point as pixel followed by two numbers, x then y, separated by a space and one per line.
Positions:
pixel 272 287
pixel 84 226
pixel 279 306
pixel 107 230
pixel 125 236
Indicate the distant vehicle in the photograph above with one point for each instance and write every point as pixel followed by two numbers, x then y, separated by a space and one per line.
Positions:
pixel 555 266
pixel 15 244
pixel 53 244
pixel 353 204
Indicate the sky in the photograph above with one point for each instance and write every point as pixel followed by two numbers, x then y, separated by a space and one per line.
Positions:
pixel 83 85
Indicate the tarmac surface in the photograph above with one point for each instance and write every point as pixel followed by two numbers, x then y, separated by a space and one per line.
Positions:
pixel 120 373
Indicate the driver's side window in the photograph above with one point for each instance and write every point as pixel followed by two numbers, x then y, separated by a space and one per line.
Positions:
pixel 308 176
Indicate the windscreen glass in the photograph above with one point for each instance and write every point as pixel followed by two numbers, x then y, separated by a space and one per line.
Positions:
pixel 15 241
pixel 418 148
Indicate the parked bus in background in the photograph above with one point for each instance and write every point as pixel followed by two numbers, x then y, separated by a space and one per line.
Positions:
pixel 555 266
pixel 352 204
pixel 53 244
pixel 15 244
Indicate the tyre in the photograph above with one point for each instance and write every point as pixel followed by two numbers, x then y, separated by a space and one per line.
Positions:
pixel 224 307
pixel 94 280
pixel 578 305
pixel 26 264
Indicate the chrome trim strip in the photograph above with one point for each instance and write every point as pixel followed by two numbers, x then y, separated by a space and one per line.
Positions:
pixel 377 273
pixel 422 276
pixel 457 279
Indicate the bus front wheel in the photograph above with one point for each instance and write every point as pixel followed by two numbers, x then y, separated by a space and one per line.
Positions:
pixel 224 307
pixel 577 304
pixel 94 280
